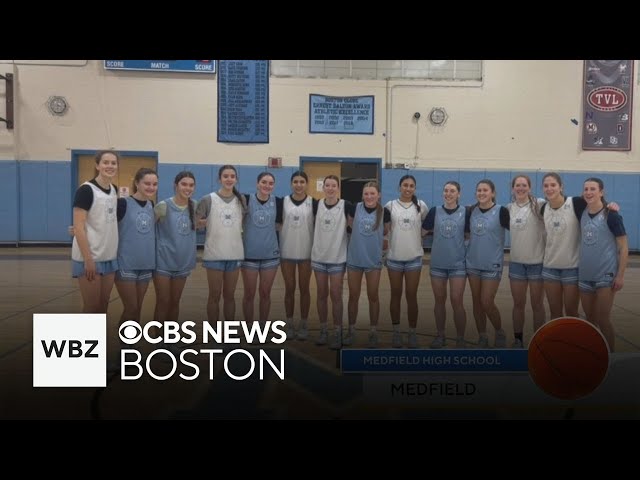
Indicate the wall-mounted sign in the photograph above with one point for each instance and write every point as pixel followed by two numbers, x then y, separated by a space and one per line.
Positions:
pixel 188 66
pixel 341 115
pixel 243 101
pixel 607 103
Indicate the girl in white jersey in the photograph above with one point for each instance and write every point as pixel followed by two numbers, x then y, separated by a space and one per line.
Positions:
pixel 329 257
pixel 296 239
pixel 95 244
pixel 527 253
pixel 175 246
pixel 404 260
pixel 604 252
pixel 222 213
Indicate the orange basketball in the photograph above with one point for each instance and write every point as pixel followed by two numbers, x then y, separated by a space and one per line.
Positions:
pixel 568 358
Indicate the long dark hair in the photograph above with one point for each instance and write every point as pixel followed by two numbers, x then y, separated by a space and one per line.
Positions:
pixel 491 186
pixel 241 199
pixel 180 176
pixel 601 185
pixel 414 199
pixel 140 175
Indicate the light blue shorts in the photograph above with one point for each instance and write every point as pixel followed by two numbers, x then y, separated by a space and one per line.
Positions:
pixel 268 264
pixel 566 276
pixel 523 271
pixel 485 274
pixel 355 268
pixel 174 273
pixel 102 268
pixel 222 265
pixel 134 275
pixel 296 261
pixel 328 268
pixel 447 272
pixel 405 266
pixel 588 286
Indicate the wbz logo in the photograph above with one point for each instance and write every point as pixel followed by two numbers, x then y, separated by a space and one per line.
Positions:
pixel 69 350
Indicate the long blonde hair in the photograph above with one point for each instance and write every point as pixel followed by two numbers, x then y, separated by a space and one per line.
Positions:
pixel 379 210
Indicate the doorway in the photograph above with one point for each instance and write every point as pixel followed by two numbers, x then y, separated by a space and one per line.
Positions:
pixel 83 168
pixel 352 172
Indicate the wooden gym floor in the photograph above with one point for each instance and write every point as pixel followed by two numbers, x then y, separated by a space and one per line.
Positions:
pixel 38 280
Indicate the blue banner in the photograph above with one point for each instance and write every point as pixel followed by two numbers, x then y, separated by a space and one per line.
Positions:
pixel 188 66
pixel 341 115
pixel 395 361
pixel 243 101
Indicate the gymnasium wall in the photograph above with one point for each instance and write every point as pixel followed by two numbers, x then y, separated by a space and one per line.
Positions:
pixel 521 117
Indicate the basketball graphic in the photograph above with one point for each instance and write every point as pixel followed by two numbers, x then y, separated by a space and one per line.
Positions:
pixel 568 358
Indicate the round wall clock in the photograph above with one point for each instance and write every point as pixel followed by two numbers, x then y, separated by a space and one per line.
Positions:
pixel 437 116
pixel 57 105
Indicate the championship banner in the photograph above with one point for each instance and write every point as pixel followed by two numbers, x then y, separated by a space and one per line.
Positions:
pixel 607 103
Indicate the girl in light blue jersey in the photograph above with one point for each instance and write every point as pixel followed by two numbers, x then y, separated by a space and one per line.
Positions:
pixel 447 223
pixel 175 246
pixel 369 222
pixel 261 248
pixel 137 243
pixel 604 252
pixel 487 224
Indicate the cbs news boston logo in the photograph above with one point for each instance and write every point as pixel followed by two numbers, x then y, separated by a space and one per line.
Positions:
pixel 69 350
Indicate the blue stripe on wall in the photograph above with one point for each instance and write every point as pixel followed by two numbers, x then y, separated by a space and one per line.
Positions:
pixel 45 201
pixel 9 201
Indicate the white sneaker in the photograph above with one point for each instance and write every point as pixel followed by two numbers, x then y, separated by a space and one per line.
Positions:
pixel 291 331
pixel 439 342
pixel 349 338
pixel 460 343
pixel 303 332
pixel 396 340
pixel 501 340
pixel 373 339
pixel 412 340
pixel 336 340
pixel 517 343
pixel 483 342
pixel 322 338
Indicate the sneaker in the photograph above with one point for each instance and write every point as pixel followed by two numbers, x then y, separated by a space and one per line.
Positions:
pixel 483 342
pixel 412 340
pixel 396 340
pixel 460 343
pixel 336 340
pixel 501 340
pixel 349 338
pixel 291 331
pixel 373 339
pixel 303 332
pixel 322 338
pixel 439 342
pixel 517 343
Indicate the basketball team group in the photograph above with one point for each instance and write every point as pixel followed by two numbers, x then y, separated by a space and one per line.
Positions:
pixel 573 249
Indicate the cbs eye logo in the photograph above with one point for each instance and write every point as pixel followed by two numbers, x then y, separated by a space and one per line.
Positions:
pixel 130 332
